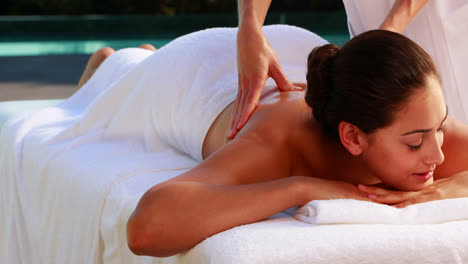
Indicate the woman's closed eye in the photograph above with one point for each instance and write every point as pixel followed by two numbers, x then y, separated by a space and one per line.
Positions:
pixel 415 147
pixel 414 142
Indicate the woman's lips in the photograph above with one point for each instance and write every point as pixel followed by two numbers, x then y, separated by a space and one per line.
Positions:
pixel 424 176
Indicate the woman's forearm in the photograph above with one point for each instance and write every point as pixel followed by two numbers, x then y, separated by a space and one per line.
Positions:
pixel 177 216
pixel 401 14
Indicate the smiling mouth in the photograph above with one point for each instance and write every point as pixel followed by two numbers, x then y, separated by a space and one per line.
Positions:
pixel 425 175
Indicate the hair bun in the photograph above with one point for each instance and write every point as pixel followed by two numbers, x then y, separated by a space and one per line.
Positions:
pixel 319 64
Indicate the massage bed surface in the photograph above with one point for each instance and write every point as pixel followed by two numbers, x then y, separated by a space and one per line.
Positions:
pixel 11 108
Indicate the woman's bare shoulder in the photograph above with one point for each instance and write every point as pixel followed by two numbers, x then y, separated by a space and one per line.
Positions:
pixel 454 147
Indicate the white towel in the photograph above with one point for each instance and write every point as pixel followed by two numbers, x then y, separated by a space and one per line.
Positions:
pixel 348 211
pixel 134 118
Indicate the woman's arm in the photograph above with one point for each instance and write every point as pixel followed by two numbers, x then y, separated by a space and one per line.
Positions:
pixel 401 14
pixel 174 218
pixel 220 194
pixel 216 195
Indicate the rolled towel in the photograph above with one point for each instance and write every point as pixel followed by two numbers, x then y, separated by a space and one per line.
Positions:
pixel 348 211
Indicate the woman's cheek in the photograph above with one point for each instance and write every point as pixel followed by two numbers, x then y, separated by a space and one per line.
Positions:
pixel 405 163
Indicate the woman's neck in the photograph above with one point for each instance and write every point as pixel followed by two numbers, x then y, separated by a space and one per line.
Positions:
pixel 323 157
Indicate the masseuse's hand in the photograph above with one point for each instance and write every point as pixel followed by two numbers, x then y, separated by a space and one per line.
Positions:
pixel 256 61
pixel 455 186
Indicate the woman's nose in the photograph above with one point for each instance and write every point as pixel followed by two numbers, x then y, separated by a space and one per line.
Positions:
pixel 434 154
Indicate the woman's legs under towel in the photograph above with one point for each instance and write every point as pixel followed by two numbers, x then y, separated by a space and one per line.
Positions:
pixel 98 57
pixel 93 63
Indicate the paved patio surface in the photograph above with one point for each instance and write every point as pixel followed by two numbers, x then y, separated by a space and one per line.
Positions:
pixel 40 77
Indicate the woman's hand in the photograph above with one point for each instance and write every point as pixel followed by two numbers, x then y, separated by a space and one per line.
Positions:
pixel 322 189
pixel 455 186
pixel 256 62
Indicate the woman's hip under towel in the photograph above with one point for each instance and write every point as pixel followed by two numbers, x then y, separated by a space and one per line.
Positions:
pixel 173 95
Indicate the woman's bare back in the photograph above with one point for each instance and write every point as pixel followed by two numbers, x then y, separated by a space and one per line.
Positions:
pixel 217 135
pixel 281 120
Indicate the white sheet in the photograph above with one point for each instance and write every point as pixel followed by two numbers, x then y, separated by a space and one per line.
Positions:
pixel 50 205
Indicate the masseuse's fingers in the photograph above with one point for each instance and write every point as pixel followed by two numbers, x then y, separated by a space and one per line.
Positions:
pixel 246 102
pixel 387 196
pixel 247 98
pixel 256 62
pixel 276 72
pixel 241 97
pixel 251 90
pixel 252 97
pixel 231 133
pixel 255 87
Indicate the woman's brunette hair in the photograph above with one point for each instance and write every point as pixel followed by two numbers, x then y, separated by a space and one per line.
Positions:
pixel 366 82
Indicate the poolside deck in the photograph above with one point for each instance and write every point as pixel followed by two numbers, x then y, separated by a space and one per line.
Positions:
pixel 40 77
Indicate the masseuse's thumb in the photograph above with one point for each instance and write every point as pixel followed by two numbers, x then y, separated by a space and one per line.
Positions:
pixel 276 72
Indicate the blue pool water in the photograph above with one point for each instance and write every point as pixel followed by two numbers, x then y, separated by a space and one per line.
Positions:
pixel 29 48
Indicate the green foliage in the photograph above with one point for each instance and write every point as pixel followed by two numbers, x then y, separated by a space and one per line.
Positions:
pixel 161 7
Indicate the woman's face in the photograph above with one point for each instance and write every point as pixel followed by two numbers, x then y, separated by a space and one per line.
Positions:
pixel 405 154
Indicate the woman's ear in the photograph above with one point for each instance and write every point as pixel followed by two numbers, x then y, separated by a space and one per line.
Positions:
pixel 352 138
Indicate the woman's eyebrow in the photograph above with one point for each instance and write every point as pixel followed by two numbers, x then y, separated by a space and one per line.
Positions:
pixel 428 129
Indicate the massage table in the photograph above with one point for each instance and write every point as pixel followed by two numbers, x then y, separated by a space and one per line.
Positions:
pixel 279 239
pixel 11 108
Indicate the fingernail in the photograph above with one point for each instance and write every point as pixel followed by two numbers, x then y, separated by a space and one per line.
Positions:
pixel 362 187
pixel 372 196
pixel 298 88
pixel 239 125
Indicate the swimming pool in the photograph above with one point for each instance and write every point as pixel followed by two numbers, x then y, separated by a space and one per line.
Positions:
pixel 52 35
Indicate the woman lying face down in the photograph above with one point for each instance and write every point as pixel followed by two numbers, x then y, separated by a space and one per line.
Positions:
pixel 373 126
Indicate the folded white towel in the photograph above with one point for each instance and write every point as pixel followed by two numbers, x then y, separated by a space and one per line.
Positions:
pixel 348 211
